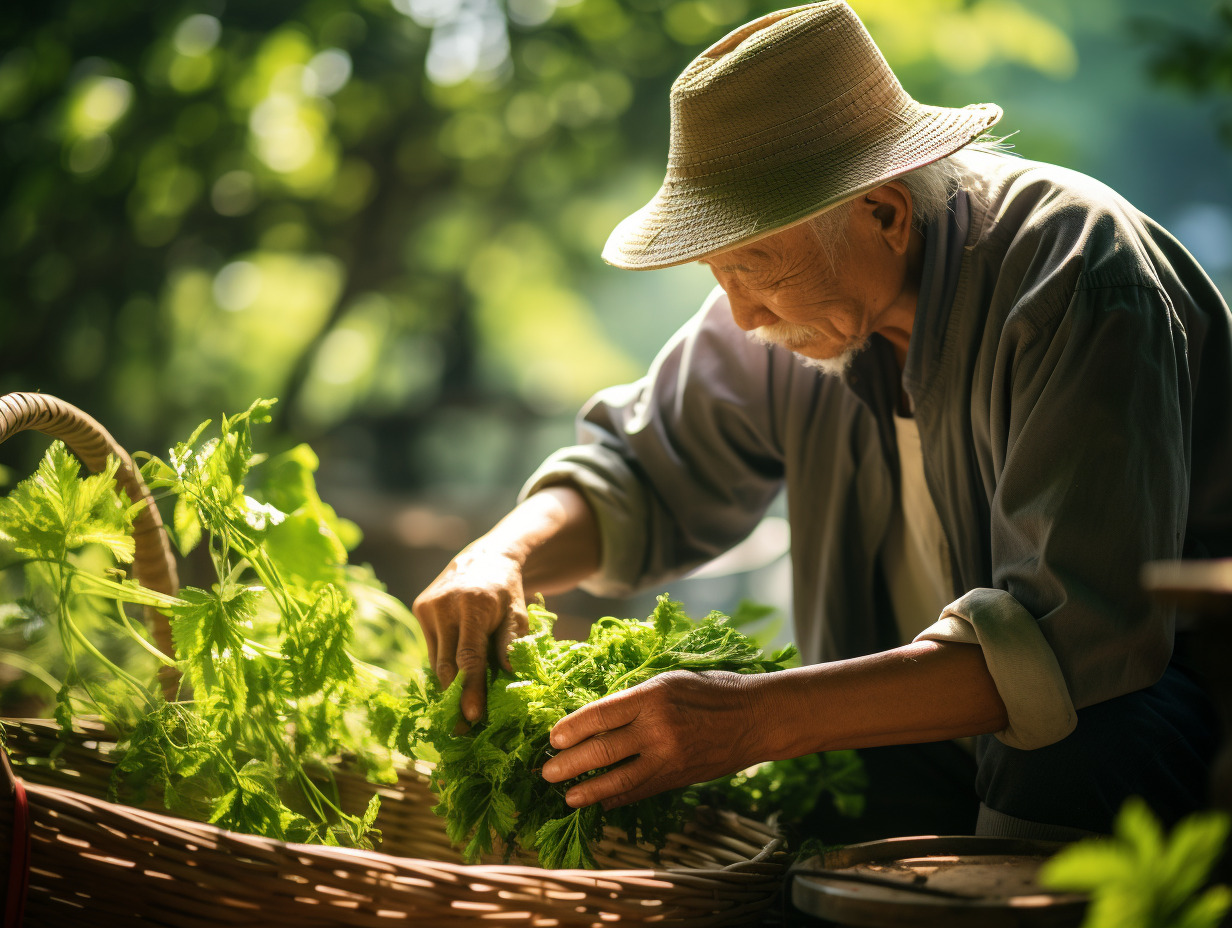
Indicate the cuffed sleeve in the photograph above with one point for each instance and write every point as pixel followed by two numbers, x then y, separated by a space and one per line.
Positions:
pixel 1020 661
pixel 1094 482
pixel 682 464
pixel 618 502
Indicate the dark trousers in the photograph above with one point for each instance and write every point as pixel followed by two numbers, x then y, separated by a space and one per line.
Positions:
pixel 1156 743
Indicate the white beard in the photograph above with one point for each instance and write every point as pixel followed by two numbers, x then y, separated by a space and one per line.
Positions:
pixel 791 336
pixel 835 367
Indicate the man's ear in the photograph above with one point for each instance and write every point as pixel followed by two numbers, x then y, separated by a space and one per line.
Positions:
pixel 892 209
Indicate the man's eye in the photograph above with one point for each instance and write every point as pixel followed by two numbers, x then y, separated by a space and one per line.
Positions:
pixel 761 279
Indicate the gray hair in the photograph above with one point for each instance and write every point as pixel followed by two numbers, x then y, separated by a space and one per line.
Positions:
pixel 930 186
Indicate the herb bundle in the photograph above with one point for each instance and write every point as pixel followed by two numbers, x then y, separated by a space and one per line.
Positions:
pixel 488 778
pixel 272 690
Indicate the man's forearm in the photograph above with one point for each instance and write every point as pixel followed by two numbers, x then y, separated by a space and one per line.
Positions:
pixel 926 691
pixel 553 534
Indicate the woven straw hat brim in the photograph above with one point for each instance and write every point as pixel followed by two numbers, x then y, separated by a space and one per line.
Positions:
pixel 693 218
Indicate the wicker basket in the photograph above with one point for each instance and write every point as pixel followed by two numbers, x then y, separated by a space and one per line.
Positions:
pixel 75 859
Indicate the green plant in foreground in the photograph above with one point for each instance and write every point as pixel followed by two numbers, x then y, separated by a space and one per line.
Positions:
pixel 1140 878
pixel 488 777
pixel 272 691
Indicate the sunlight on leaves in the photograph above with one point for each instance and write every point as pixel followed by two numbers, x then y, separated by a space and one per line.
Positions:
pixel 1140 878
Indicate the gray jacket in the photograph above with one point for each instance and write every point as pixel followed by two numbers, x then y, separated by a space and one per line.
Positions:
pixel 1071 371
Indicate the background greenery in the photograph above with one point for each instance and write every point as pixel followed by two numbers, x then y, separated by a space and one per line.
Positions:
pixel 389 214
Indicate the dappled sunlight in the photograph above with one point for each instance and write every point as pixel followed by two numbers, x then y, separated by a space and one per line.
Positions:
pixel 237 333
pixel 99 102
pixel 967 37
pixel 541 337
pixel 289 119
pixel 387 211
pixel 369 353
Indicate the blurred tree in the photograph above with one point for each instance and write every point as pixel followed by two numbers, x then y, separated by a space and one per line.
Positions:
pixel 382 212
pixel 1194 58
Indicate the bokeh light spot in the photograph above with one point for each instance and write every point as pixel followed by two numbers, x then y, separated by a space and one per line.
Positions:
pixel 346 354
pixel 327 73
pixel 197 35
pixel 237 285
pixel 531 12
pixel 234 193
pixel 528 115
pixel 100 103
pixel 188 74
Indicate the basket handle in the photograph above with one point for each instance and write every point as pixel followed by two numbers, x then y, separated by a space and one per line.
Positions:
pixel 154 564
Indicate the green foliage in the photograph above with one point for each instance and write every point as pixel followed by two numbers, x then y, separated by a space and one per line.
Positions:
pixel 365 208
pixel 66 534
pixel 1141 878
pixel 790 789
pixel 271 690
pixel 1195 58
pixel 488 778
pixel 56 511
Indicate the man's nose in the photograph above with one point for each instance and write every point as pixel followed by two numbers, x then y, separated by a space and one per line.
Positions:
pixel 750 314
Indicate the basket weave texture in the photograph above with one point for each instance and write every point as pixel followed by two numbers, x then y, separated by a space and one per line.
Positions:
pixel 99 863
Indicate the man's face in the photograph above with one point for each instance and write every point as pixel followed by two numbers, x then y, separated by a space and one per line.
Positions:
pixel 786 290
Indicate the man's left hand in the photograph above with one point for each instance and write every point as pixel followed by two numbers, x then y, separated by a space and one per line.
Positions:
pixel 674 730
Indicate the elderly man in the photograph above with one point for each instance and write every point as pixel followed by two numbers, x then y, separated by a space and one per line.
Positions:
pixel 992 390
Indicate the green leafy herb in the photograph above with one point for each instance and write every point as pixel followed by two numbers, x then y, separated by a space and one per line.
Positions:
pixel 1141 879
pixel 488 779
pixel 271 688
pixel 790 789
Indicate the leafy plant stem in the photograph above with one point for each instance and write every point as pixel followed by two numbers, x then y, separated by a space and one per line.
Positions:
pixel 63 576
pixel 311 791
pixel 13 659
pixel 622 681
pixel 98 655
pixel 126 623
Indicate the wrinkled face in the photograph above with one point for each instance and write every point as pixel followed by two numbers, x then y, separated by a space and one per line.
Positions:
pixel 786 290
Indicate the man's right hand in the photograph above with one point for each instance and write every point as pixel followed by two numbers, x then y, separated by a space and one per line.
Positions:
pixel 475 608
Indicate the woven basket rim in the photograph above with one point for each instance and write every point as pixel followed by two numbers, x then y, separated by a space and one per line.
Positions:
pixel 91 731
pixel 96 842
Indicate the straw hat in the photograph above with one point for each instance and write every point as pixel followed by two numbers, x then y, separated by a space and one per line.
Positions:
pixel 786 116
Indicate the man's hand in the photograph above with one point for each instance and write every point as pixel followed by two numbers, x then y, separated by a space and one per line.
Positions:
pixel 678 728
pixel 548 544
pixel 681 728
pixel 476 603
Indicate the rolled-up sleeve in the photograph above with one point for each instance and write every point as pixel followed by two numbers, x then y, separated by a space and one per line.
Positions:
pixel 1090 411
pixel 1020 661
pixel 681 465
pixel 615 494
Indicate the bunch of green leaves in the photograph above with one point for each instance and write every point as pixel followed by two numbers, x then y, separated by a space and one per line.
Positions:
pixel 790 789
pixel 1140 878
pixel 66 535
pixel 488 777
pixel 271 691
